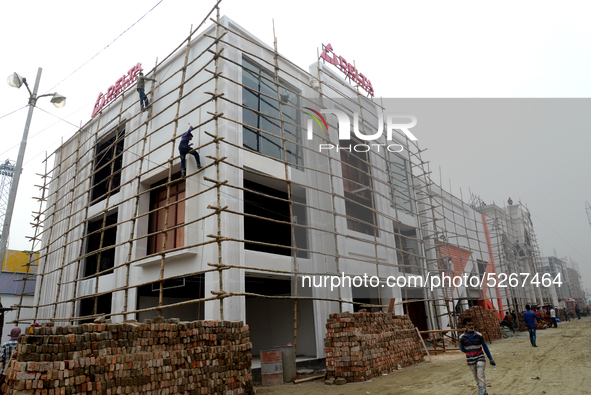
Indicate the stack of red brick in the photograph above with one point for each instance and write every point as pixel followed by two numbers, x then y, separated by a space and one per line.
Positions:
pixel 361 346
pixel 201 357
pixel 485 321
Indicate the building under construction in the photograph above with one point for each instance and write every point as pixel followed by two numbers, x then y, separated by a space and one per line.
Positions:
pixel 281 203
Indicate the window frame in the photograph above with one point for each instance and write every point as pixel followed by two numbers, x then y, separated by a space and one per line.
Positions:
pixel 262 76
pixel 90 239
pixel 400 198
pixel 113 145
pixel 155 233
pixel 270 208
pixel 356 173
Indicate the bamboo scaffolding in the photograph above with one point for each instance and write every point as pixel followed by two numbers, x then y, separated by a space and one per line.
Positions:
pixel 202 80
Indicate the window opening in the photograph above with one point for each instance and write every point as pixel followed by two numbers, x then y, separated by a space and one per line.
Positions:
pixel 108 160
pixel 262 112
pixel 176 214
pixel 94 233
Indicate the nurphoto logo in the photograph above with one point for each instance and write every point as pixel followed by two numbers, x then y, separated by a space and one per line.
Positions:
pixel 345 130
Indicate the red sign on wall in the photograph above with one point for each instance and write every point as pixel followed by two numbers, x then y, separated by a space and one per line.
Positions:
pixel 116 89
pixel 347 68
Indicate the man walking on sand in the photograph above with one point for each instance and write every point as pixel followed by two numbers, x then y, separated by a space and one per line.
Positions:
pixel 472 344
pixel 566 315
pixel 530 319
pixel 553 316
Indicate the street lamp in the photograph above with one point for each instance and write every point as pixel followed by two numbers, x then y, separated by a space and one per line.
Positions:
pixel 57 100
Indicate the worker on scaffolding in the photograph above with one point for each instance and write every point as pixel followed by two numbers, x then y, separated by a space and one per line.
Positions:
pixel 473 345
pixel 185 148
pixel 510 201
pixel 141 84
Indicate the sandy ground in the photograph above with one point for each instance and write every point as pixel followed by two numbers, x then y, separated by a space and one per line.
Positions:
pixel 561 364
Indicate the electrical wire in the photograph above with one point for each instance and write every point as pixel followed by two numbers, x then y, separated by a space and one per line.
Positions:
pixel 107 46
pixel 567 243
pixel 55 116
pixel 13 112
pixel 44 129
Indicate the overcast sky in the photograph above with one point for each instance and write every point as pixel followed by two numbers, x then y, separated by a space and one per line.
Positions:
pixel 414 49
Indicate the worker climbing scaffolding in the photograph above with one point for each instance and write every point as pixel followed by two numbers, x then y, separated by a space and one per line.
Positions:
pixel 141 84
pixel 185 148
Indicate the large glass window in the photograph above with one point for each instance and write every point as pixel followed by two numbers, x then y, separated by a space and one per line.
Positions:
pixel 399 180
pixel 261 114
pixel 358 190
pixel 406 250
pixel 174 193
pixel 108 159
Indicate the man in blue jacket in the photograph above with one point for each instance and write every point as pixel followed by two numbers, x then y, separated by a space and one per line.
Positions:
pixel 472 344
pixel 530 319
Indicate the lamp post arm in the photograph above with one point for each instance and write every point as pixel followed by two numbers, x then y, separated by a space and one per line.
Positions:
pixel 47 94
pixel 18 168
pixel 27 86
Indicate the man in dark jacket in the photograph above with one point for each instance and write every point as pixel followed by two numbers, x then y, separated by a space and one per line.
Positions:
pixel 530 319
pixel 185 148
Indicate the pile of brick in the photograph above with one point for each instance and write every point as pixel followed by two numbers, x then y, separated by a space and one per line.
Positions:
pixel 201 357
pixel 522 326
pixel 485 321
pixel 361 346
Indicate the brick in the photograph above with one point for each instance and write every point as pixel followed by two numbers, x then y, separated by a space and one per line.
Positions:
pixel 167 357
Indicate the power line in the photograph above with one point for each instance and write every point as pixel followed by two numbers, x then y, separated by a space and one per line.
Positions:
pixel 567 243
pixel 44 129
pixel 61 119
pixel 107 46
pixel 13 112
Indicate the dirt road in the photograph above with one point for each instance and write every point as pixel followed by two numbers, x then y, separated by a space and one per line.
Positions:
pixel 561 364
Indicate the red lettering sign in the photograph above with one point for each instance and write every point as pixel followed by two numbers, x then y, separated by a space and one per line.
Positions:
pixel 347 68
pixel 115 90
